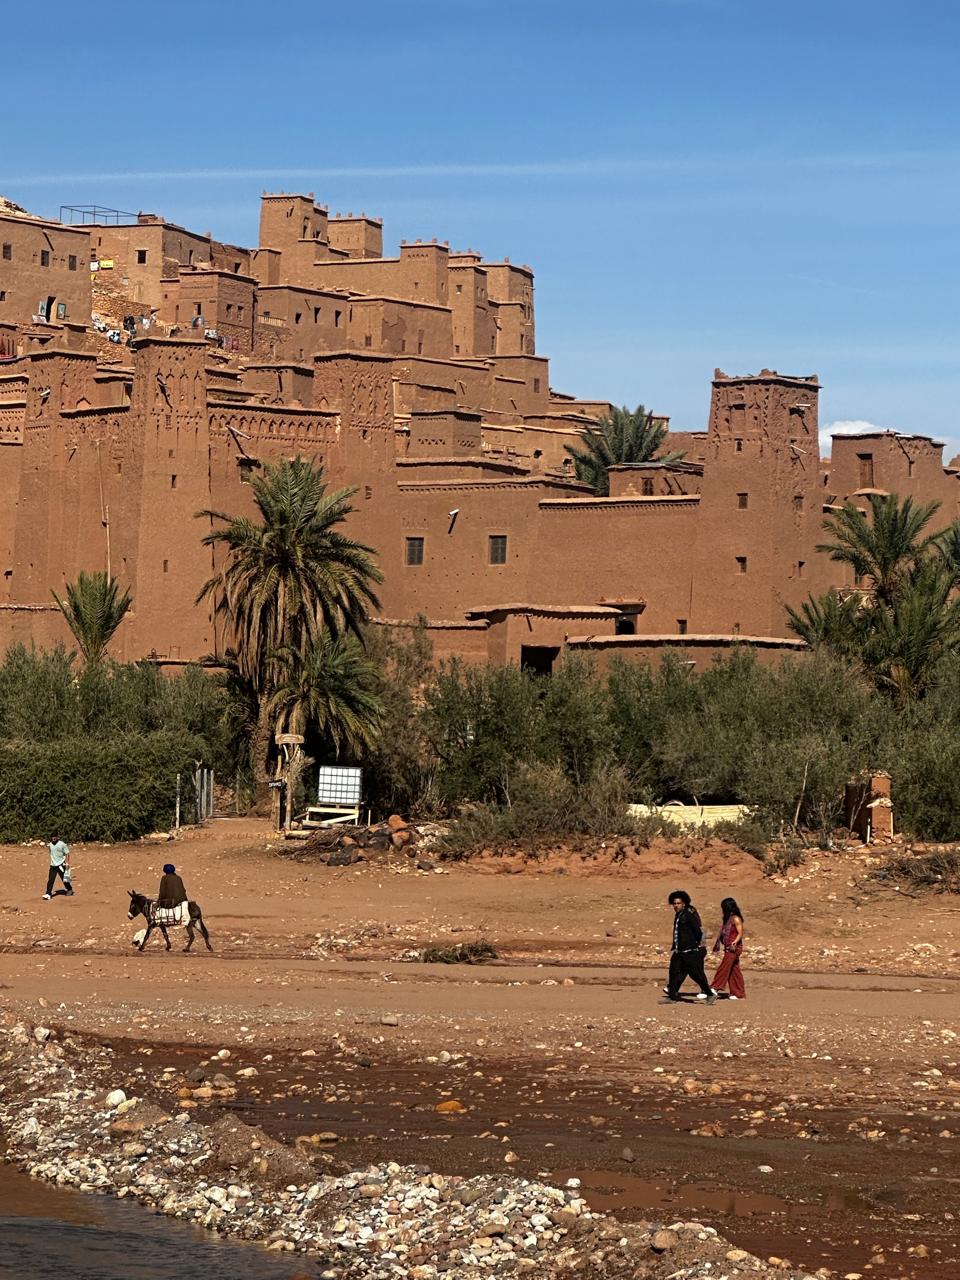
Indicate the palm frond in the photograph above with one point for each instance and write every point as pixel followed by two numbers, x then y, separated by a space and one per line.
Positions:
pixel 94 608
pixel 627 436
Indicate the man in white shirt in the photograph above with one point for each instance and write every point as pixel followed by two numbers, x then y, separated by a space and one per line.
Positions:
pixel 59 866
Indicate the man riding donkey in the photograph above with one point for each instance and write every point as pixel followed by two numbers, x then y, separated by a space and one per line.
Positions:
pixel 172 896
pixel 172 907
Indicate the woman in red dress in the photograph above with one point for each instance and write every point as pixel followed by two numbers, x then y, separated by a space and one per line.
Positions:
pixel 730 941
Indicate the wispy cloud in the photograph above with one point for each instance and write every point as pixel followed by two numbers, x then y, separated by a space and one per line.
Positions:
pixel 590 166
pixel 846 427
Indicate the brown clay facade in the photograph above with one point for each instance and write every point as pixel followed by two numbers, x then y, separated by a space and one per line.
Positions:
pixel 415 379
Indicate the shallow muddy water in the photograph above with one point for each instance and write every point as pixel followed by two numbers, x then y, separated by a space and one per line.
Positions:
pixel 50 1234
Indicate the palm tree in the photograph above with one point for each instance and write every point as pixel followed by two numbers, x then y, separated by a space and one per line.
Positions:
pixel 885 548
pixel 624 437
pixel 94 609
pixel 910 620
pixel 948 545
pixel 831 622
pixel 328 691
pixel 287 577
pixel 910 638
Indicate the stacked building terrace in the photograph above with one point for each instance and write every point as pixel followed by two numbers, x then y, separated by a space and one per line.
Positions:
pixel 147 372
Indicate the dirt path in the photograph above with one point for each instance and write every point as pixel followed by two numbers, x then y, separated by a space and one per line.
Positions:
pixel 838 1074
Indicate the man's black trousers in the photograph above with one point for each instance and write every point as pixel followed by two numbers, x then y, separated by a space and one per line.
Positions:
pixel 687 964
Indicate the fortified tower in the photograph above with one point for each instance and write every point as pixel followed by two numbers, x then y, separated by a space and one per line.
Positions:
pixel 760 503
pixel 172 476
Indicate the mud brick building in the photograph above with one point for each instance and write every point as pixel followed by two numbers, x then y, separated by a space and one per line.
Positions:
pixel 415 378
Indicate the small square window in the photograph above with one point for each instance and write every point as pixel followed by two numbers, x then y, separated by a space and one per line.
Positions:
pixel 239 310
pixel 7 252
pixel 229 310
pixel 44 257
pixel 741 564
pixel 173 482
pixel 414 551
pixel 738 445
pixel 72 262
pixel 337 317
pixel 3 295
pixel 498 548
pixel 166 566
pixel 681 626
pixel 742 499
pixel 798 501
pixel 298 316
pixel 801 565
pixel 141 256
pixel 536 386
pixel 646 487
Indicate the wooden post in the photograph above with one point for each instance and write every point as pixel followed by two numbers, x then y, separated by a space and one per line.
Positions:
pixel 176 825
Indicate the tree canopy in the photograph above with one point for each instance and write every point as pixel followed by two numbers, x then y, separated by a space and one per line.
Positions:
pixel 627 436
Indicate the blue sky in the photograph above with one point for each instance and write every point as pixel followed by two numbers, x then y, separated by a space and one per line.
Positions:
pixel 741 183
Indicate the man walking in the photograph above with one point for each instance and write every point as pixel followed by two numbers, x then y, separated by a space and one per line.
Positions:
pixel 59 866
pixel 688 952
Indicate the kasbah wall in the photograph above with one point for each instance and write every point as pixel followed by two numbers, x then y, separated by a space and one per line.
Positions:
pixel 148 372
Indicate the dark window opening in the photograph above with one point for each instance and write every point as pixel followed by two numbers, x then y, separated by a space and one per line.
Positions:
pixel 738 445
pixel 239 311
pixel 798 501
pixel 742 500
pixel 681 626
pixel 316 315
pixel 625 626
pixel 72 262
pixel 166 566
pixel 800 567
pixel 646 487
pixel 298 316
pixel 367 340
pixel 538 658
pixel 414 551
pixel 336 319
pixel 173 482
pixel 141 256
pixel 866 470
pixel 7 252
pixel 498 548
pixel 741 564
pixel 44 257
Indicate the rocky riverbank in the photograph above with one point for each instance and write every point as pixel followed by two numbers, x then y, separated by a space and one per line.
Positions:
pixel 383 1221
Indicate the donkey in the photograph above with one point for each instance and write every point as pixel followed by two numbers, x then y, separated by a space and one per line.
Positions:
pixel 156 918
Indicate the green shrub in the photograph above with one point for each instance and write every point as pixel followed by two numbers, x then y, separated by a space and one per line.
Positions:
pixel 93 789
pixel 544 800
pixel 750 834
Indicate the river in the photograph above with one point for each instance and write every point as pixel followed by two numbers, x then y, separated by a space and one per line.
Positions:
pixel 50 1234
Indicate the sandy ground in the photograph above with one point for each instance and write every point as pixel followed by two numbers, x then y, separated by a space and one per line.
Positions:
pixel 818 1120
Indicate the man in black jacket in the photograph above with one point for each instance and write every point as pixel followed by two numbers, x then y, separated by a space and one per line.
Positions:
pixel 688 952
